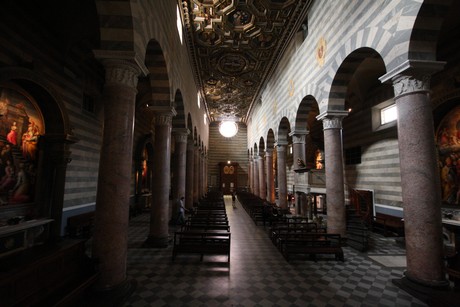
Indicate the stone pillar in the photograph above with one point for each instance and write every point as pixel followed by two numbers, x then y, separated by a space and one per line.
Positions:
pixel 206 175
pixel 256 176
pixel 282 180
pixel 420 180
pixel 270 175
pixel 250 175
pixel 110 240
pixel 298 147
pixel 189 174
pixel 202 173
pixel 262 178
pixel 336 215
pixel 180 159
pixel 159 213
pixel 196 175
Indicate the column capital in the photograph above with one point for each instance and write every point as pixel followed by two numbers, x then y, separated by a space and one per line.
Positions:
pixel 163 115
pixel 282 143
pixel 412 76
pixel 298 136
pixel 128 56
pixel 269 153
pixel 332 119
pixel 180 134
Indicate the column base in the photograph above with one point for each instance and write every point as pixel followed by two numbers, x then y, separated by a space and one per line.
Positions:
pixel 110 297
pixel 437 293
pixel 155 242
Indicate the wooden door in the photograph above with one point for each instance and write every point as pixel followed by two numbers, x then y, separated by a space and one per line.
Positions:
pixel 228 177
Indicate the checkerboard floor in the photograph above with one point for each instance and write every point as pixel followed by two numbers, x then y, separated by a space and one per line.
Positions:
pixel 258 275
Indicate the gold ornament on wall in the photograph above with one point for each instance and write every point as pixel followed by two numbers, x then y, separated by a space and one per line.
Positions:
pixel 321 51
pixel 291 88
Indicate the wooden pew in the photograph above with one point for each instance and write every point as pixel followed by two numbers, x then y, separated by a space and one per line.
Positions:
pixel 390 225
pixel 202 243
pixel 313 244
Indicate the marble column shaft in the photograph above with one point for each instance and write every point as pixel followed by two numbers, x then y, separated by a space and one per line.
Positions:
pixel 420 180
pixel 336 215
pixel 262 178
pixel 282 180
pixel 270 176
pixel 250 175
pixel 110 241
pixel 256 177
pixel 189 174
pixel 159 213
pixel 180 159
pixel 196 175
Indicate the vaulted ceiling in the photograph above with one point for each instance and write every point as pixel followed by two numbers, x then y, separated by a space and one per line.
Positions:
pixel 235 45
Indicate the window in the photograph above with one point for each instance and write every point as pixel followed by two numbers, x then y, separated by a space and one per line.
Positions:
pixel 388 114
pixel 353 156
pixel 179 24
pixel 384 115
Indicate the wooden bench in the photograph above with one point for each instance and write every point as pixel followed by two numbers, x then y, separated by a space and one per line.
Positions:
pixel 80 226
pixel 389 225
pixel 313 244
pixel 205 227
pixel 202 243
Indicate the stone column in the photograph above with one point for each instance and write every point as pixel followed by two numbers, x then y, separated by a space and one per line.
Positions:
pixel 205 187
pixel 420 180
pixel 256 176
pixel 298 146
pixel 110 240
pixel 189 174
pixel 202 173
pixel 250 175
pixel 196 175
pixel 270 175
pixel 159 213
pixel 336 215
pixel 262 178
pixel 180 155
pixel 282 180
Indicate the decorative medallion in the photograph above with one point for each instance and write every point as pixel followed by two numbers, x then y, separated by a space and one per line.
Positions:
pixel 321 51
pixel 232 63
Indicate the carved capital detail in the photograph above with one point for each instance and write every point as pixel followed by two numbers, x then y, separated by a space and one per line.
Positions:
pixel 298 138
pixel 280 148
pixel 332 123
pixel 119 72
pixel 181 135
pixel 162 119
pixel 409 84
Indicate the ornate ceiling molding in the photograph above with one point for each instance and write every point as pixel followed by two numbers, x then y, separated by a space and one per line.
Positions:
pixel 235 46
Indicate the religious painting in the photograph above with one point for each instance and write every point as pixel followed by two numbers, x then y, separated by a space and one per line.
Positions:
pixel 448 142
pixel 321 51
pixel 21 125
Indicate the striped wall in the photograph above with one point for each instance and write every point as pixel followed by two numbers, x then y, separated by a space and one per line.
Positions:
pixel 223 149
pixel 384 28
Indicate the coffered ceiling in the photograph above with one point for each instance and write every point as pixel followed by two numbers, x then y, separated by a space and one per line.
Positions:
pixel 235 45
